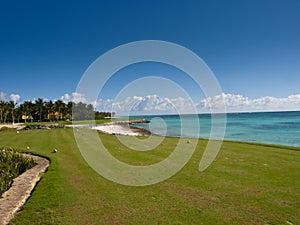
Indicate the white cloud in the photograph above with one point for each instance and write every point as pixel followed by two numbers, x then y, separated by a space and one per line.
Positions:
pixel 239 103
pixel 154 104
pixel 150 104
pixel 66 98
pixel 2 96
pixel 15 97
pixel 74 97
pixel 104 105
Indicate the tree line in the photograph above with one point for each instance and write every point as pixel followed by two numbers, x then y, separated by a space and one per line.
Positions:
pixel 41 110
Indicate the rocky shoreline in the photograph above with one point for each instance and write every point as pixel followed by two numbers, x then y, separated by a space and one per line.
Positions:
pixel 37 127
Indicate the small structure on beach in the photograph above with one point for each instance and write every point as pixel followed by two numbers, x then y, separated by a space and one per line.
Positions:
pixel 27 117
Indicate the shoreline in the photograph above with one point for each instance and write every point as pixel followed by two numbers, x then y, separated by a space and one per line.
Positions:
pixel 126 128
pixel 122 127
pixel 115 131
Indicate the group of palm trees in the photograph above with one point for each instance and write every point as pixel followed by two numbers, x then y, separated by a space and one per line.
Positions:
pixel 40 110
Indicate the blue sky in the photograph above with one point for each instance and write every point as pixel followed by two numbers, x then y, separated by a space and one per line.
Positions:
pixel 253 47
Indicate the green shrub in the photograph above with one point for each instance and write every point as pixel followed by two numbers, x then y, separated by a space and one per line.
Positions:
pixel 12 164
pixel 6 129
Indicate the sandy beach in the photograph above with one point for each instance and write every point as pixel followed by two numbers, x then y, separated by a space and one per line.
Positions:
pixel 121 129
pixel 15 125
pixel 118 127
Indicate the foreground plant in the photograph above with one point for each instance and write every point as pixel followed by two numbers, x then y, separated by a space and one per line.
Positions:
pixel 12 164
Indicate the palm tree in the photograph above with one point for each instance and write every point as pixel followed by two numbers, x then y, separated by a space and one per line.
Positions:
pixel 50 109
pixel 2 107
pixel 11 105
pixel 59 106
pixel 40 105
pixel 26 109
pixel 6 111
pixel 18 114
pixel 69 108
pixel 23 111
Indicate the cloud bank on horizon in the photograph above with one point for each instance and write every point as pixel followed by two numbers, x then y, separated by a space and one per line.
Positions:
pixel 154 104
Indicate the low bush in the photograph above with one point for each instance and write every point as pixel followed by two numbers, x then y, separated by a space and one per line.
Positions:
pixel 12 164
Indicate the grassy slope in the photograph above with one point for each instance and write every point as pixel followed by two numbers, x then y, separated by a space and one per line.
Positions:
pixel 246 184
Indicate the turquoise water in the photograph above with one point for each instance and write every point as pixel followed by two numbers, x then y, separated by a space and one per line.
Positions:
pixel 265 127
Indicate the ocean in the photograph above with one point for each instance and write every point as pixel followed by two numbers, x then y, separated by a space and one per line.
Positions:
pixel 264 127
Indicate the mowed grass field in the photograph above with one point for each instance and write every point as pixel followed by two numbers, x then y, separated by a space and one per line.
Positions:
pixel 246 184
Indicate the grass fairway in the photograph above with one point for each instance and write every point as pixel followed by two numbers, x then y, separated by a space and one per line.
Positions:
pixel 246 184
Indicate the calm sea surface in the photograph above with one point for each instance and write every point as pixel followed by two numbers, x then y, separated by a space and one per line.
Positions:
pixel 265 127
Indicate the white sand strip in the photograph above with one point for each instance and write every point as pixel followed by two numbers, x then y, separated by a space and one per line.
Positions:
pixel 15 125
pixel 116 129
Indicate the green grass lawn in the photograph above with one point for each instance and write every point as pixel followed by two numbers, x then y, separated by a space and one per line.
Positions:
pixel 246 184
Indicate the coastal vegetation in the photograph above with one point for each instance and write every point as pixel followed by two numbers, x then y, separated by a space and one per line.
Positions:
pixel 246 184
pixel 12 164
pixel 40 110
